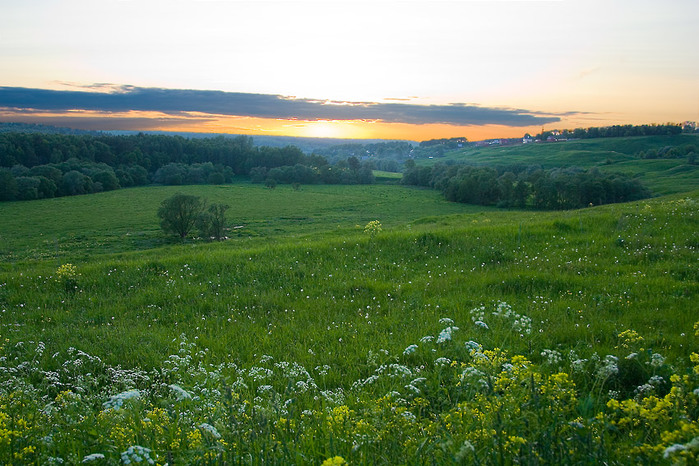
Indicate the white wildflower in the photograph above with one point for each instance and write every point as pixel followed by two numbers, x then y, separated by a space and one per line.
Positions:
pixel 656 380
pixel 473 346
pixel 481 324
pixel 136 454
pixel 445 335
pixel 180 393
pixel 672 449
pixel 410 349
pixel 657 360
pixel 210 429
pixel 553 357
pixel 116 401
pixel 93 457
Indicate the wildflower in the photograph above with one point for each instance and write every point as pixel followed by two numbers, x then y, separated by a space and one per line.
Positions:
pixel 410 349
pixel 180 393
pixel 657 360
pixel 446 321
pixel 67 275
pixel 445 335
pixel 609 367
pixel 481 324
pixel 473 345
pixel 442 362
pixel 413 389
pixel 578 365
pixel 426 338
pixel 644 390
pixel 136 454
pixel 656 380
pixel 66 271
pixel 629 338
pixel 553 357
pixel 115 402
pixel 373 228
pixel 210 429
pixel 93 457
pixel 335 460
pixel 672 449
pixel 465 449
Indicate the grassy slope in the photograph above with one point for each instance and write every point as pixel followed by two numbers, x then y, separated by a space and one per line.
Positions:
pixel 569 271
pixel 662 176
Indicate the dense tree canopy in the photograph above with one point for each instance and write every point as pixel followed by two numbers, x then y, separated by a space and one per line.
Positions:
pixel 558 188
pixel 39 165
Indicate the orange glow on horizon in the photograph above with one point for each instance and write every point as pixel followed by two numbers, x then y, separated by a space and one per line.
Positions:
pixel 223 124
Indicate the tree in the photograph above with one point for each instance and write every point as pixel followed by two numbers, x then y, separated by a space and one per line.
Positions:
pixel 8 185
pixel 179 213
pixel 212 222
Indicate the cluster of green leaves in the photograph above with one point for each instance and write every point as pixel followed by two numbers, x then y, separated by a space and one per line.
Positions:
pixel 36 166
pixel 180 213
pixel 614 131
pixel 521 187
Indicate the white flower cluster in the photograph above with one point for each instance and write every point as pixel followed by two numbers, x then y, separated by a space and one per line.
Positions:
pixel 115 402
pixel 137 454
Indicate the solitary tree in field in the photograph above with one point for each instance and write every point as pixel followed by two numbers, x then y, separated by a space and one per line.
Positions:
pixel 179 213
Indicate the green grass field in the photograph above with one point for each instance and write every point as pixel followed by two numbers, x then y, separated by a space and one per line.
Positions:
pixel 126 220
pixel 662 176
pixel 456 335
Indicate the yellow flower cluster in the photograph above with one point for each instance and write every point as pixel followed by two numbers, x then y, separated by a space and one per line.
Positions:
pixel 66 271
pixel 373 228
pixel 629 338
pixel 334 461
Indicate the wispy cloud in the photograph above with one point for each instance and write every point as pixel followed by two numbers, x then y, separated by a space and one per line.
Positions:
pixel 108 98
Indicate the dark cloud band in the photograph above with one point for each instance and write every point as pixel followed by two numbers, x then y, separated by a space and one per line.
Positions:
pixel 179 101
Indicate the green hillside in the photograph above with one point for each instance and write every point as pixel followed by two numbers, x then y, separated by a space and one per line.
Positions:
pixel 662 176
pixel 454 335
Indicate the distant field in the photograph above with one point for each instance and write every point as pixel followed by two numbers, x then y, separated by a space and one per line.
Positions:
pixel 662 176
pixel 126 219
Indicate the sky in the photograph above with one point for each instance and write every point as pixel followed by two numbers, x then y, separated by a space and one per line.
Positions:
pixel 389 69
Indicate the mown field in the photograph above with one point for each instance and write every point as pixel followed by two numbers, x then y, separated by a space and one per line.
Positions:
pixel 454 335
pixel 662 176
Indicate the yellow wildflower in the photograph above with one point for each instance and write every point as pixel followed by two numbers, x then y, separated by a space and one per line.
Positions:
pixel 335 460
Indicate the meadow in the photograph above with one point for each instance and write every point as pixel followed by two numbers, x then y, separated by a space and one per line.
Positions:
pixel 661 175
pixel 445 333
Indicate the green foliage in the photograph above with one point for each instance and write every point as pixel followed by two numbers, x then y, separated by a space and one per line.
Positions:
pixel 552 189
pixel 212 222
pixel 179 214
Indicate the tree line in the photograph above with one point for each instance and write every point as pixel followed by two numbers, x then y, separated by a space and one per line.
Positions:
pixel 519 186
pixel 38 165
pixel 614 131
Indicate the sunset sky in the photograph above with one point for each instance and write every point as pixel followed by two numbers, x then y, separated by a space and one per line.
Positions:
pixel 393 69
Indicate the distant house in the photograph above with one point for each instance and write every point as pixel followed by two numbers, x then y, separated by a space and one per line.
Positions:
pixel 527 139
